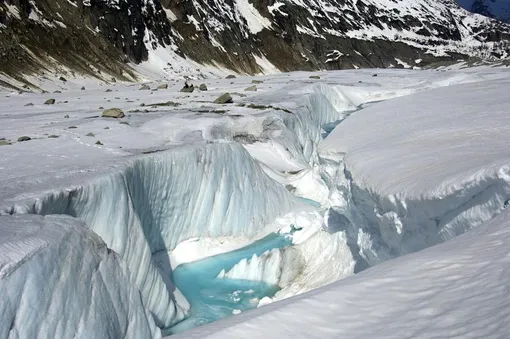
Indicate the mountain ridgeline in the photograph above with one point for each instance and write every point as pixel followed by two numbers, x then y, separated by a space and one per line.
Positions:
pixel 102 37
pixel 498 9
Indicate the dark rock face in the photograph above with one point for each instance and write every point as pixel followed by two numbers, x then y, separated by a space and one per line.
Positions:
pixel 99 36
pixel 331 34
pixel 125 24
pixel 85 35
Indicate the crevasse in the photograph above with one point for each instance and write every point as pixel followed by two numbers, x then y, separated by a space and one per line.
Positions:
pixel 362 227
pixel 159 200
pixel 218 189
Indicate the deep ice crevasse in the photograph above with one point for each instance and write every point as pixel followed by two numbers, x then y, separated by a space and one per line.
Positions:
pixel 218 189
pixel 160 200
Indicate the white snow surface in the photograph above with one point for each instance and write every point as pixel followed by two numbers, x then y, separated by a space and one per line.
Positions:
pixel 360 198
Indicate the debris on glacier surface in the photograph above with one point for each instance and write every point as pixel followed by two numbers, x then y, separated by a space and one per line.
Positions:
pixel 358 172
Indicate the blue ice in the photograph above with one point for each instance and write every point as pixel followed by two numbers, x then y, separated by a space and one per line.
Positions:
pixel 212 298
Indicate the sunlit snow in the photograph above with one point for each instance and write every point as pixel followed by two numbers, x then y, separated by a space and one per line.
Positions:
pixel 127 225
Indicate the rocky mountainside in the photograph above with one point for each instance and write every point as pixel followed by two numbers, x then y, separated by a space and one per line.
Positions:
pixel 99 37
pixel 498 9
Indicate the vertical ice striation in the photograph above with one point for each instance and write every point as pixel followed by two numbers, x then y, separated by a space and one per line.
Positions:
pixel 59 280
pixel 277 267
pixel 159 200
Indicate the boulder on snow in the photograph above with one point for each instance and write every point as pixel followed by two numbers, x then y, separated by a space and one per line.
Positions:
pixel 144 88
pixel 4 143
pixel 314 77
pixel 113 113
pixel 225 98
pixel 257 81
pixel 163 86
pixel 251 88
pixel 203 87
pixel 24 138
pixel 82 88
pixel 188 89
pixel 230 76
pixel 49 102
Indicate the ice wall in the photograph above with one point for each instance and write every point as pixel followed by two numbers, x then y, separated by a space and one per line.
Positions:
pixel 159 200
pixel 303 127
pixel 59 280
pixel 278 267
pixel 384 223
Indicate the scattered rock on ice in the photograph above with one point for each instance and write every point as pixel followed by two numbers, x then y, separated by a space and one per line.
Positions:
pixel 90 134
pixel 66 116
pixel 62 79
pixel 24 138
pixel 188 89
pixel 107 127
pixel 99 143
pixel 251 88
pixel 257 81
pixel 225 98
pixel 53 136
pixel 123 122
pixel 4 143
pixel 144 88
pixel 203 87
pixel 163 104
pixel 245 138
pixel 314 77
pixel 29 104
pixel 82 88
pixel 57 92
pixel 231 76
pixel 72 127
pixel 49 102
pixel 108 90
pixel 113 113
pixel 164 86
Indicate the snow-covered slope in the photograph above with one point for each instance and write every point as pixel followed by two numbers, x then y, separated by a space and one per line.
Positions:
pixel 331 34
pixel 499 9
pixel 58 279
pixel 243 36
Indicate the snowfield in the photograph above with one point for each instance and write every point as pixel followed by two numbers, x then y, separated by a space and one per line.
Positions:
pixel 351 170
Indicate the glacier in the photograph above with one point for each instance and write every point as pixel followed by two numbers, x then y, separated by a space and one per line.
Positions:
pixel 159 200
pixel 59 280
pixel 348 195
